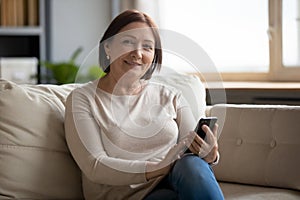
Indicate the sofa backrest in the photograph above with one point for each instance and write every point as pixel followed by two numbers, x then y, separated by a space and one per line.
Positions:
pixel 259 144
pixel 191 88
pixel 35 162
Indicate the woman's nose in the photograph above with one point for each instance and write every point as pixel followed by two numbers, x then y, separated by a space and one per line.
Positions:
pixel 137 53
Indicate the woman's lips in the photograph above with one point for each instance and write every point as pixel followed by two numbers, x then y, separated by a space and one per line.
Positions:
pixel 132 63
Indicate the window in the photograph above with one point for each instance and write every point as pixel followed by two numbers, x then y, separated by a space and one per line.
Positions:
pixel 247 40
pixel 291 33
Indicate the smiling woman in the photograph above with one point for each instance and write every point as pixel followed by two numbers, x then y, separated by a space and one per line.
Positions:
pixel 114 30
pixel 129 134
pixel 130 53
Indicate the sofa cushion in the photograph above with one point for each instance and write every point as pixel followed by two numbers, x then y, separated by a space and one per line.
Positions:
pixel 35 160
pixel 191 88
pixel 259 144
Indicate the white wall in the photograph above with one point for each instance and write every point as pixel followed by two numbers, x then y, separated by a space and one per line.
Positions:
pixel 77 23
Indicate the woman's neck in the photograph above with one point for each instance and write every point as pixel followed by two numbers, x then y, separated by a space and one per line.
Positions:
pixel 120 86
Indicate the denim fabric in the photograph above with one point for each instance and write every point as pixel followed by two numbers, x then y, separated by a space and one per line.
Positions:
pixel 191 178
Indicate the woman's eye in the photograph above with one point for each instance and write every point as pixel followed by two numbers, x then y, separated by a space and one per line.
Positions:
pixel 128 42
pixel 147 46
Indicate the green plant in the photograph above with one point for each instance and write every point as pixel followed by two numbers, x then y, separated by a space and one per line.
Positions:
pixel 93 72
pixel 66 72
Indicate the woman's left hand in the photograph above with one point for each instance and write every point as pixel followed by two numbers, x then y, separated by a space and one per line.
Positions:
pixel 206 148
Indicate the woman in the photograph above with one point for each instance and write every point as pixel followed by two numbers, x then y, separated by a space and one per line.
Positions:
pixel 127 134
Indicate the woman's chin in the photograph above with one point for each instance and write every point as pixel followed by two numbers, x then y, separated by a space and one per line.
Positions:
pixel 137 71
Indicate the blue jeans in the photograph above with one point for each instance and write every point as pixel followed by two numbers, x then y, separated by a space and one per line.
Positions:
pixel 191 178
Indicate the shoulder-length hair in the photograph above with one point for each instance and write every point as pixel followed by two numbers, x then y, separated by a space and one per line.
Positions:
pixel 123 19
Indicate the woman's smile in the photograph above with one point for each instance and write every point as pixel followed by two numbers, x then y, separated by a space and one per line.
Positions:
pixel 133 64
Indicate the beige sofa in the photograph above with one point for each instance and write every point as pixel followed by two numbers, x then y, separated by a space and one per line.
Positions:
pixel 259 145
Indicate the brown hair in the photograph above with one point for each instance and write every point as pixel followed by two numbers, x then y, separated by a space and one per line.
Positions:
pixel 121 21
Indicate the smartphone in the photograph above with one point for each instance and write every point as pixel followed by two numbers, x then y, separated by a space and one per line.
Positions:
pixel 209 121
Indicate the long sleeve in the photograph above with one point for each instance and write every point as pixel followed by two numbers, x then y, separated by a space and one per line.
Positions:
pixel 84 141
pixel 185 118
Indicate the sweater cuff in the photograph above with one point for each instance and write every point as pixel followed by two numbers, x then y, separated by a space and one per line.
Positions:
pixel 216 161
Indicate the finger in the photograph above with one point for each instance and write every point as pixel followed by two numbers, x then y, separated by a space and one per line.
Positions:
pixel 209 134
pixel 193 150
pixel 215 130
pixel 197 138
pixel 211 138
pixel 196 147
pixel 206 144
pixel 203 152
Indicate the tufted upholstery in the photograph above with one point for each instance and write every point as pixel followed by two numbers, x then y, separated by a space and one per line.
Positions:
pixel 259 145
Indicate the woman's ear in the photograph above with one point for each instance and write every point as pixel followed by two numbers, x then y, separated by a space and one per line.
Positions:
pixel 107 48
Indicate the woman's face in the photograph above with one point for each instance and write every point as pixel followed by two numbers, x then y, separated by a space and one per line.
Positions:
pixel 131 51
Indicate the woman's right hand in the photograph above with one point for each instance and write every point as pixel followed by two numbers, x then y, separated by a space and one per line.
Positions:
pixel 155 169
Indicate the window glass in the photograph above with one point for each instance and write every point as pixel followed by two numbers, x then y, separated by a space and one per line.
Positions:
pixel 291 32
pixel 233 32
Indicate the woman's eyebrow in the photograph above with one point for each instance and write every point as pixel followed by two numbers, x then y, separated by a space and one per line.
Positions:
pixel 132 36
pixel 151 41
pixel 128 36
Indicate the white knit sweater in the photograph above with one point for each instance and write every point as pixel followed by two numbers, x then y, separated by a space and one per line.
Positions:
pixel 112 137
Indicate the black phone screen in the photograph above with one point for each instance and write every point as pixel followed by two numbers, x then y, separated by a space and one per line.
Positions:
pixel 209 121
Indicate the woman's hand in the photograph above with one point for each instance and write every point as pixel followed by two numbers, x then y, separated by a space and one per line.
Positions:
pixel 155 169
pixel 207 148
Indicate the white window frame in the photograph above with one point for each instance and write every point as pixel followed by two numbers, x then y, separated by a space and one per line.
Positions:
pixel 277 71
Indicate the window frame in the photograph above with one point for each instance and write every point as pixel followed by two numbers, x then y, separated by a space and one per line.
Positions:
pixel 277 71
